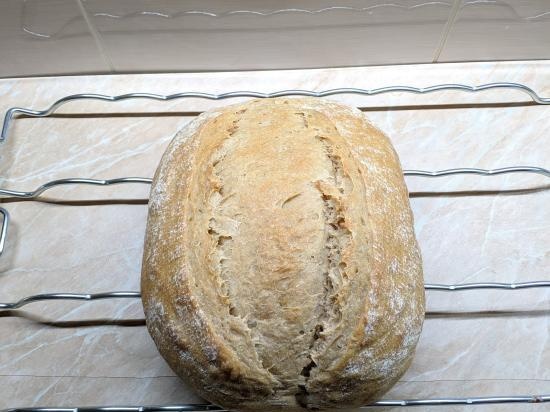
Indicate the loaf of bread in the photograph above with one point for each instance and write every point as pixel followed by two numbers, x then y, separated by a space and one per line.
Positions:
pixel 281 270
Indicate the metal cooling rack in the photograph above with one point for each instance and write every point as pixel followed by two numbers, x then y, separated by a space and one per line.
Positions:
pixel 30 195
pixel 535 98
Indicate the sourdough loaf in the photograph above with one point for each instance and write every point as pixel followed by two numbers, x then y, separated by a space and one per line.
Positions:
pixel 281 270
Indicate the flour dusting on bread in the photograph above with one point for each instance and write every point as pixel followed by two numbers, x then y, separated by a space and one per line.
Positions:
pixel 281 270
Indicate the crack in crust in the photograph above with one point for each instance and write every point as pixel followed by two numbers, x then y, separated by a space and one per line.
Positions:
pixel 337 240
pixel 221 237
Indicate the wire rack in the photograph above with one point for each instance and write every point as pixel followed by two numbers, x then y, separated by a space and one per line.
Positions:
pixel 11 114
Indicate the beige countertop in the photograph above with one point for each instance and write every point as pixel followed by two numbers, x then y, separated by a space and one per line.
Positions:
pixel 470 229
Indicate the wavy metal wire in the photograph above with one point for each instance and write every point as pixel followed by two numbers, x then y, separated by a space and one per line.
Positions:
pixel 284 93
pixel 208 407
pixel 145 180
pixel 72 181
pixel 192 407
pixel 68 296
pixel 33 194
pixel 480 172
pixel 459 287
pixel 389 402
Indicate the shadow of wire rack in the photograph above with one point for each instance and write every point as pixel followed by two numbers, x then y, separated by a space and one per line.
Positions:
pixel 30 195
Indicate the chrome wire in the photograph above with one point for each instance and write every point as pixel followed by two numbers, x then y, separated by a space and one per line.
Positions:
pixel 464 401
pixel 487 285
pixel 68 296
pixel 145 180
pixel 390 402
pixel 134 294
pixel 4 231
pixel 30 195
pixel 283 93
pixel 72 181
pixel 160 408
pixel 480 172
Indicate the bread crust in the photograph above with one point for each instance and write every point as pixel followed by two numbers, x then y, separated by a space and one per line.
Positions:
pixel 280 269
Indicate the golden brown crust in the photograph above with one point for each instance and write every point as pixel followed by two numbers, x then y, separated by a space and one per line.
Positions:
pixel 281 269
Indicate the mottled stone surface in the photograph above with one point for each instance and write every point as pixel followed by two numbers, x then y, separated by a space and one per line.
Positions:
pixel 469 228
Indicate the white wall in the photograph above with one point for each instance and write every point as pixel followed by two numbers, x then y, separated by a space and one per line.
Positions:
pixel 45 37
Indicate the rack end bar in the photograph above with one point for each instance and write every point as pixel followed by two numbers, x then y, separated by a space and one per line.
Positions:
pixel 4 231
pixel 6 124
